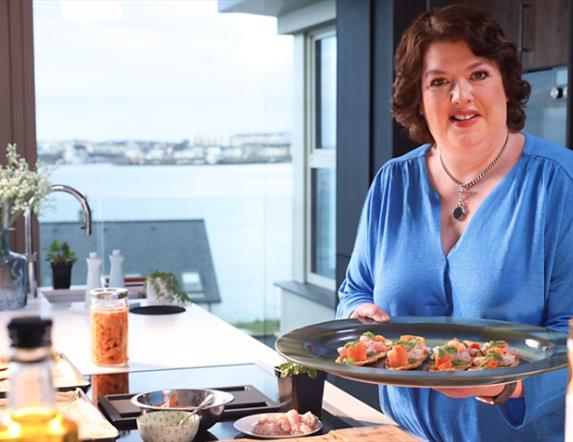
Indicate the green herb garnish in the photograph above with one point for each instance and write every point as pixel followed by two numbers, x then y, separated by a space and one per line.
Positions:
pixel 293 369
pixel 408 344
pixel 498 343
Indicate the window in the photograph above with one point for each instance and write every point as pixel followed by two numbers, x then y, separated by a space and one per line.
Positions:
pixel 321 157
pixel 309 294
pixel 175 121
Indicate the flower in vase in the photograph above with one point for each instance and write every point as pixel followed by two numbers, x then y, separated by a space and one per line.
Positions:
pixel 20 188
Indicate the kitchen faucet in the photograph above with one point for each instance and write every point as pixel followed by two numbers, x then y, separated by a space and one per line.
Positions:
pixel 28 249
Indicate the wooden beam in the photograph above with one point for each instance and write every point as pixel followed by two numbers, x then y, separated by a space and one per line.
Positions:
pixel 17 103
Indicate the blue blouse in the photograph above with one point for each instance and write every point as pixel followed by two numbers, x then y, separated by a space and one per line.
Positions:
pixel 513 262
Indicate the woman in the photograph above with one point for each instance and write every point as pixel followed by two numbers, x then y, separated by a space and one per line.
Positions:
pixel 476 223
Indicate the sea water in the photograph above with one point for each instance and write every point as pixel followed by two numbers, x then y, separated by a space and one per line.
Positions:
pixel 247 211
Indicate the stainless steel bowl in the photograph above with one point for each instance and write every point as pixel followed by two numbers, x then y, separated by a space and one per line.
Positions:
pixel 185 399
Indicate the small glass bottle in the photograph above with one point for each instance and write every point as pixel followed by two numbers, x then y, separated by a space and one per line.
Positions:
pixel 109 326
pixel 569 393
pixel 32 416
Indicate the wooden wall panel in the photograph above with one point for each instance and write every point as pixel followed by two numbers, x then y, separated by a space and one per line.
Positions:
pixel 5 89
pixel 17 99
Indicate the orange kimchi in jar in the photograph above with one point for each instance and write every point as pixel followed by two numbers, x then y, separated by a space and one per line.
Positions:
pixel 108 383
pixel 108 319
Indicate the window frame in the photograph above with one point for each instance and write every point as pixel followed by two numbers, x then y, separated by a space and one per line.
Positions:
pixel 318 18
pixel 315 157
pixel 18 110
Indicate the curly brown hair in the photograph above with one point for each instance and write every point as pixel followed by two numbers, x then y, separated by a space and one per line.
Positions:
pixel 452 24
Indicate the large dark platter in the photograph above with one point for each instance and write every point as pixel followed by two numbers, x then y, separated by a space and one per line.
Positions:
pixel 540 349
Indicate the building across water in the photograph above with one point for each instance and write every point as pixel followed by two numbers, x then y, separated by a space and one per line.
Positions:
pixel 264 147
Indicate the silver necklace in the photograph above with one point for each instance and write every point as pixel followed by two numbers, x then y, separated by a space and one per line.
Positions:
pixel 461 210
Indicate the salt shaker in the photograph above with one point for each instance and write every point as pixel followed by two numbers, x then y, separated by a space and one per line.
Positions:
pixel 116 266
pixel 94 276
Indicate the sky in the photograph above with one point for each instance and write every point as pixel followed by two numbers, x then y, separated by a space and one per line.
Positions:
pixel 158 70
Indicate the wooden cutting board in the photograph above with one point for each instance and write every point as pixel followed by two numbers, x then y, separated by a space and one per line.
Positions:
pixel 386 433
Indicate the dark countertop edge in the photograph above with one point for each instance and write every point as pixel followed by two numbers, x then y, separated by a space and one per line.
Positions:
pixel 320 295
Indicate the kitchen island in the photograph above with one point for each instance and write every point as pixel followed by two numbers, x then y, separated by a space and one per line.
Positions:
pixel 192 339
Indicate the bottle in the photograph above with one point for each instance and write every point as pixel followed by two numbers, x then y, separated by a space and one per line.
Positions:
pixel 569 393
pixel 116 269
pixel 94 276
pixel 32 416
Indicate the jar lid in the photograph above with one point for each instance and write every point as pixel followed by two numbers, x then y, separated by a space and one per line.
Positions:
pixel 109 294
pixel 30 332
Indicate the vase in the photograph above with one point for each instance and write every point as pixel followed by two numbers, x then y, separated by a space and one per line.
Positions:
pixel 164 297
pixel 301 392
pixel 151 294
pixel 13 275
pixel 61 275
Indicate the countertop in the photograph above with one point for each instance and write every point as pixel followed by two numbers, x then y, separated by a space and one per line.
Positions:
pixel 195 338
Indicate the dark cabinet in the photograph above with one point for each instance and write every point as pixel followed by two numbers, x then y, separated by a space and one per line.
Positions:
pixel 539 28
pixel 544 33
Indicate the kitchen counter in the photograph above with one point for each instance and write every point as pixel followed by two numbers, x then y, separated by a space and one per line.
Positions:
pixel 195 338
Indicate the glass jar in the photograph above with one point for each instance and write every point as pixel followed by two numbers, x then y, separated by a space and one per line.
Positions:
pixel 108 383
pixel 13 275
pixel 108 319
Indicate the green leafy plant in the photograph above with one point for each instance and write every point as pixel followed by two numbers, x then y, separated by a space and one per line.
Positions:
pixel 167 287
pixel 60 253
pixel 21 188
pixel 291 368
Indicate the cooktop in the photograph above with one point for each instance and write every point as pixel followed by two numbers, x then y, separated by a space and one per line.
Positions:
pixel 256 388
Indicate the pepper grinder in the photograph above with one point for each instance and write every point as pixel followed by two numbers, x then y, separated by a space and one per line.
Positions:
pixel 94 276
pixel 116 272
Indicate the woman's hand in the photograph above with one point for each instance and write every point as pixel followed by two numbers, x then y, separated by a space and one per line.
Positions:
pixel 487 391
pixel 370 311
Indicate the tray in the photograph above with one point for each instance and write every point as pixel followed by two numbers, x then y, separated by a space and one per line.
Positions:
pixel 540 349
pixel 92 425
pixel 66 376
pixel 247 400
pixel 77 294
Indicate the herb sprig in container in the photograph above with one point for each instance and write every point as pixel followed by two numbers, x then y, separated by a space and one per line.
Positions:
pixel 291 368
pixel 167 288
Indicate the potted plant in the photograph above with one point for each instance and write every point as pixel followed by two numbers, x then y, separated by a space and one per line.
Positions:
pixel 22 188
pixel 61 258
pixel 300 387
pixel 163 288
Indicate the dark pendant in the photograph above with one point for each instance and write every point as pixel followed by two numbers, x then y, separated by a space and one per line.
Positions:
pixel 459 213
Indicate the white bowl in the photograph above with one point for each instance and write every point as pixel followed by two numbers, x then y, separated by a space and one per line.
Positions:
pixel 162 426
